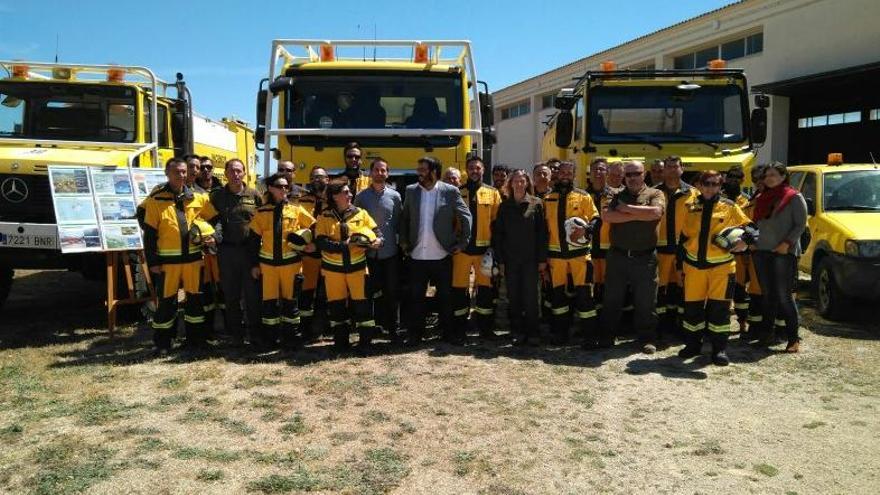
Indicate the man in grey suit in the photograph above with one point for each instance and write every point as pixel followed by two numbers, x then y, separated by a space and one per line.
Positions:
pixel 434 225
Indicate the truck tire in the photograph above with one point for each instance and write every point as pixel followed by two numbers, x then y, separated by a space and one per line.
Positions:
pixel 831 302
pixel 6 275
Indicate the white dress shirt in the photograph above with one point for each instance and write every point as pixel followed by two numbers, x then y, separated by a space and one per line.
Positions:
pixel 428 247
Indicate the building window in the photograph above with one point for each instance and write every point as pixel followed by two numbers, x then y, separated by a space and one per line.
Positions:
pixel 874 114
pixel 684 61
pixel 517 110
pixel 704 56
pixel 755 43
pixel 730 50
pixel 547 101
pixel 830 119
pixel 644 66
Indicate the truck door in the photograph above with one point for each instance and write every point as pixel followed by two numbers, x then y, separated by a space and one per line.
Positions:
pixel 166 146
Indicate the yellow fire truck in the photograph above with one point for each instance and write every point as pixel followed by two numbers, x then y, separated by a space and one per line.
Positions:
pixel 398 99
pixel 700 115
pixel 56 114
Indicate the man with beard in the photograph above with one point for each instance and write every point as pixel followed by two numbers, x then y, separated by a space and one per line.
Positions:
pixel 384 206
pixel 499 177
pixel 483 202
pixel 357 180
pixel 601 194
pixel 313 200
pixel 679 195
pixel 568 255
pixel 434 225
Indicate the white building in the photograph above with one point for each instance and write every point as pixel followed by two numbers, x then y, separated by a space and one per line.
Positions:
pixel 818 59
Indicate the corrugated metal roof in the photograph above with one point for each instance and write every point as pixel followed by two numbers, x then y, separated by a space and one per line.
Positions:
pixel 653 33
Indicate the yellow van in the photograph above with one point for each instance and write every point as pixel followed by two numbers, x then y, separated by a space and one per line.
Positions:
pixel 842 241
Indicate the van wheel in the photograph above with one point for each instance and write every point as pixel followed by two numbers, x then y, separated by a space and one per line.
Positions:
pixel 830 300
pixel 6 275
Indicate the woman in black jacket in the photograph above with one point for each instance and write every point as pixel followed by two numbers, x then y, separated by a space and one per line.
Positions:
pixel 519 238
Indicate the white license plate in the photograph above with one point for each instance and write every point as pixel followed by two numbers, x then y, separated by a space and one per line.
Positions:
pixel 28 236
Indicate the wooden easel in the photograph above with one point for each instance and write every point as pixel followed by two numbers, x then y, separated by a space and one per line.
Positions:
pixel 114 260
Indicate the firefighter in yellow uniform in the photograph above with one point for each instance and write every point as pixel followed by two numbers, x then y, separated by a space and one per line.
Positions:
pixel 732 190
pixel 276 260
pixel 567 258
pixel 483 202
pixel 313 201
pixel 353 156
pixel 167 216
pixel 708 268
pixel 601 194
pixel 679 195
pixel 343 234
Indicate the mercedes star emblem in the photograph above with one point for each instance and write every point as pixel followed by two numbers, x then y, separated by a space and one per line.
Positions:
pixel 14 190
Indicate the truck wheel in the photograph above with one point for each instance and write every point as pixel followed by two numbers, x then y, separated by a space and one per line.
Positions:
pixel 830 300
pixel 6 275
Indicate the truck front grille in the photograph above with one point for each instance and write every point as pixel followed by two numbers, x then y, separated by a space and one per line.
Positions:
pixel 36 207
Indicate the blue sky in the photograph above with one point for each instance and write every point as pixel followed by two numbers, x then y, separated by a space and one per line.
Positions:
pixel 222 48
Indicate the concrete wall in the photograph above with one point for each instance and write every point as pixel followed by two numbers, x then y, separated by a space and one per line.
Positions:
pixel 801 37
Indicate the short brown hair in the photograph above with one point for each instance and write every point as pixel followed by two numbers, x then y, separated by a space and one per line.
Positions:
pixel 708 174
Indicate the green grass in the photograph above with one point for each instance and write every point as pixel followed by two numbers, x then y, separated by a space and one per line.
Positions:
pixel 766 469
pixel 583 397
pixel 379 471
pixel 709 447
pixel 300 480
pixel 173 383
pixel 466 462
pixel 814 424
pixel 102 409
pixel 207 454
pixel 373 416
pixel 67 465
pixel 210 475
pixel 295 425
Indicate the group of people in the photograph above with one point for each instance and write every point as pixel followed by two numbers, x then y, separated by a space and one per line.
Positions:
pixel 680 257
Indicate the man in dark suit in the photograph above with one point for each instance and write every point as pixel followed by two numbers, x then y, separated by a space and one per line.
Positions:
pixel 434 225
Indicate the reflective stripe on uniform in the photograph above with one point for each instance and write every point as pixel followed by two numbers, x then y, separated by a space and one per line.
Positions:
pixel 365 324
pixel 693 327
pixel 586 314
pixel 724 328
pixel 270 321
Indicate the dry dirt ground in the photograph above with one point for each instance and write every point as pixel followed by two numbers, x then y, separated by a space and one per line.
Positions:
pixel 82 413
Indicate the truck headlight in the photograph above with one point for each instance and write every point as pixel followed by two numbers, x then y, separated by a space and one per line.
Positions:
pixel 862 249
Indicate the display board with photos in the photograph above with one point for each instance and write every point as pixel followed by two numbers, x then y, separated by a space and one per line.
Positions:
pixel 96 207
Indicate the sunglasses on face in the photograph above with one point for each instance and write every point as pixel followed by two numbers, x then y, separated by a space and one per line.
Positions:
pixel 630 175
pixel 281 186
pixel 353 157
pixel 712 183
pixel 286 170
pixel 207 167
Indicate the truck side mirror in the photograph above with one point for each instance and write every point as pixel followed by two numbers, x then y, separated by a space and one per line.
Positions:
pixel 260 131
pixel 280 84
pixel 564 127
pixel 811 206
pixel 759 125
pixel 762 101
pixel 487 110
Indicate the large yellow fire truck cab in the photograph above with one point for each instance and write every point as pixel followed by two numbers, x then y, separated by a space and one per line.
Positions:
pixel 700 115
pixel 398 99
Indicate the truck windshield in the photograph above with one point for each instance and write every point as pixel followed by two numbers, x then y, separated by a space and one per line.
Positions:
pixel 854 191
pixel 67 112
pixel 387 100
pixel 708 114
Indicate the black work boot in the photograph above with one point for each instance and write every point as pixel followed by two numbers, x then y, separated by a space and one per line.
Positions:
pixel 341 341
pixel 719 349
pixel 693 346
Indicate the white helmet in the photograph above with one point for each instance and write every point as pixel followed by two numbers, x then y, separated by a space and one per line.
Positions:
pixel 573 223
pixel 487 263
pixel 729 237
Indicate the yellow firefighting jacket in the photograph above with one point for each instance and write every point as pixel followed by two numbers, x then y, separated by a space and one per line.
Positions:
pixel 166 218
pixel 357 184
pixel 483 203
pixel 558 207
pixel 703 221
pixel 333 229
pixel 601 200
pixel 269 229
pixel 314 204
pixel 669 228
